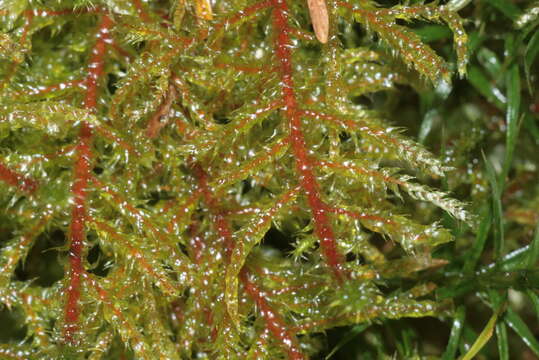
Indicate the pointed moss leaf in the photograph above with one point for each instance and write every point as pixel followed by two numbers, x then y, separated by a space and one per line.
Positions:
pixel 53 118
pixel 399 228
pixel 454 207
pixel 407 266
pixel 480 241
pixel 410 46
pixel 11 49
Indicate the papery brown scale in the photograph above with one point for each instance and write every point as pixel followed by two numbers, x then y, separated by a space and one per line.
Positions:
pixel 320 19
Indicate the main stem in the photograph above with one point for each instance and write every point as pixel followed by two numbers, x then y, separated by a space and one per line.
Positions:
pixel 77 232
pixel 304 165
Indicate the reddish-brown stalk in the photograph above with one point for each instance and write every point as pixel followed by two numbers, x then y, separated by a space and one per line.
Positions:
pixel 274 323
pixel 13 178
pixel 304 164
pixel 223 227
pixel 82 175
pixel 273 320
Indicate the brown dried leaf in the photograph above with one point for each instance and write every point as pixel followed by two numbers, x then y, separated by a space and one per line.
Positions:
pixel 320 19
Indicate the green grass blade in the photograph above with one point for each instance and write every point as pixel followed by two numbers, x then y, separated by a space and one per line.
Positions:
pixel 482 339
pixel 479 243
pixel 506 7
pixel 485 87
pixel 535 301
pixel 490 61
pixel 512 115
pixel 533 252
pixel 516 323
pixel 532 49
pixel 531 127
pixel 497 211
pixel 503 345
pixel 456 331
pixel 427 125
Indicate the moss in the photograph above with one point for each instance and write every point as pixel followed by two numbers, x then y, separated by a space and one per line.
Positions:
pixel 233 179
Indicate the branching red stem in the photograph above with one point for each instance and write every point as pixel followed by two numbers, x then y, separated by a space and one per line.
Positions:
pixel 274 323
pixel 79 188
pixel 13 178
pixel 304 164
pixel 223 227
pixel 273 320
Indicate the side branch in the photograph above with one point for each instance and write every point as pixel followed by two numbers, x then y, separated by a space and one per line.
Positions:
pixel 304 164
pixel 79 189
pixel 13 178
pixel 222 226
pixel 273 320
pixel 244 13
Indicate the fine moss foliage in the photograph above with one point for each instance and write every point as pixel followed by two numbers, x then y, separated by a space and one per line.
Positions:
pixel 196 179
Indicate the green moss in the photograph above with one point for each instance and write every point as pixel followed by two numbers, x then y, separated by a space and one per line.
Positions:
pixel 209 180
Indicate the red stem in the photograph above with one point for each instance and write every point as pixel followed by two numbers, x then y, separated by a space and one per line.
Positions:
pixel 17 180
pixel 274 323
pixel 79 188
pixel 223 227
pixel 304 164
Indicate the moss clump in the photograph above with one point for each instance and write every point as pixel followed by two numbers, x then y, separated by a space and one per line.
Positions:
pixel 218 180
